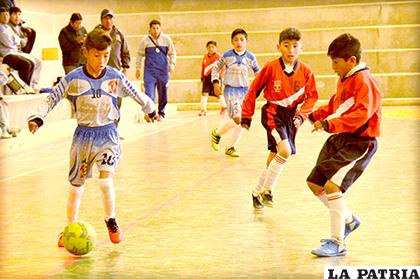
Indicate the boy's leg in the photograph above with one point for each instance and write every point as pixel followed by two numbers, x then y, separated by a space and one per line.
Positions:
pixel 223 106
pixel 106 185
pixel 73 203
pixel 203 104
pixel 275 168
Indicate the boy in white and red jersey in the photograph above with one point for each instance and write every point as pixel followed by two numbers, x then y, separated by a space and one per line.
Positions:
pixel 209 60
pixel 287 83
pixel 353 116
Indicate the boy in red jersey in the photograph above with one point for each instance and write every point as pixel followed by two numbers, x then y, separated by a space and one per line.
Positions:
pixel 353 116
pixel 209 60
pixel 287 83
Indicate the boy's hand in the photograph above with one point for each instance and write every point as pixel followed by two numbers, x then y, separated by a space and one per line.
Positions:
pixel 138 74
pixel 217 90
pixel 32 126
pixel 149 119
pixel 318 126
pixel 297 121
pixel 245 126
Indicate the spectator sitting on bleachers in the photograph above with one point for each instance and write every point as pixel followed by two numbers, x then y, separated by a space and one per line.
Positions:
pixel 5 130
pixel 7 4
pixel 28 66
pixel 27 35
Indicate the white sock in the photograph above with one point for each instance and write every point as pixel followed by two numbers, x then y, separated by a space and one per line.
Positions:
pixel 274 170
pixel 228 125
pixel 260 185
pixel 204 102
pixel 222 101
pixel 106 185
pixel 339 212
pixel 322 196
pixel 236 136
pixel 73 202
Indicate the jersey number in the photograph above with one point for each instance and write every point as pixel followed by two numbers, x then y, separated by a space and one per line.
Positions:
pixel 107 160
pixel 96 93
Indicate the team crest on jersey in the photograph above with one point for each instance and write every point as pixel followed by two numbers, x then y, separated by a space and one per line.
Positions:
pixel 277 86
pixel 110 86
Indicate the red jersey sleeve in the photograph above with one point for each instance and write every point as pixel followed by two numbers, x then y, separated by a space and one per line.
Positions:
pixel 258 84
pixel 311 97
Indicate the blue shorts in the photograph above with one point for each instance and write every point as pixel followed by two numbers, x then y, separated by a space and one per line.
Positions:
pixel 234 97
pixel 342 160
pixel 98 145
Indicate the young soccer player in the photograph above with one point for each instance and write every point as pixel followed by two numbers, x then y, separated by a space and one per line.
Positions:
pixel 238 61
pixel 209 60
pixel 92 91
pixel 287 84
pixel 353 116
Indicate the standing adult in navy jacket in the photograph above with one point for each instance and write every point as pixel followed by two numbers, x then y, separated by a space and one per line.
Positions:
pixel 160 58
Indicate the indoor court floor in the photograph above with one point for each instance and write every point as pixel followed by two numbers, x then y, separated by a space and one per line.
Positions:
pixel 187 212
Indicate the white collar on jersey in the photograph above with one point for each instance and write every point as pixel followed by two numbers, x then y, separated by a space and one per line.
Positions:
pixel 356 68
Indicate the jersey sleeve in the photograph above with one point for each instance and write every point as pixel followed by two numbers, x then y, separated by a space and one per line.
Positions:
pixel 323 111
pixel 218 67
pixel 365 104
pixel 128 90
pixel 141 52
pixel 59 92
pixel 257 85
pixel 311 97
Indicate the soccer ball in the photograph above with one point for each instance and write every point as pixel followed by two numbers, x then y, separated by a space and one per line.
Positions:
pixel 79 238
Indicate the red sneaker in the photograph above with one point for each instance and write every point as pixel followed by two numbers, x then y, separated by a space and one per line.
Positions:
pixel 115 233
pixel 60 240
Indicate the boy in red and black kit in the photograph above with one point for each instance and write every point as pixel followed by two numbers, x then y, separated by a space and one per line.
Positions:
pixel 209 60
pixel 353 116
pixel 287 83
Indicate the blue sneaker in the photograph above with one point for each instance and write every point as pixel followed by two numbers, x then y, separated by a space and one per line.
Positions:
pixel 330 248
pixel 350 227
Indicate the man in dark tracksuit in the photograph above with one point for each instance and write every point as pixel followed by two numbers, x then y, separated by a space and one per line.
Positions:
pixel 160 54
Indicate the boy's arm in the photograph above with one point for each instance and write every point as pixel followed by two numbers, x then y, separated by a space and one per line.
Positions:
pixel 215 73
pixel 355 111
pixel 248 105
pixel 255 66
pixel 59 92
pixel 125 53
pixel 311 97
pixel 171 54
pixel 127 89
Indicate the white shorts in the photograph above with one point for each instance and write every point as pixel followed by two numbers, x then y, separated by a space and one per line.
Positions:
pixel 100 145
pixel 234 98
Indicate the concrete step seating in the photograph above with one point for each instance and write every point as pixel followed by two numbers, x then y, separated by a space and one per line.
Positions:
pixel 387 31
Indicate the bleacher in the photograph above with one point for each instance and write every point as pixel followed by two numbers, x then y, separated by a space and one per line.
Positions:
pixel 388 32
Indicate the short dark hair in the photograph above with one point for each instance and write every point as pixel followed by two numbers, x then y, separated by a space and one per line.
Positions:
pixel 153 22
pixel 291 33
pixel 211 43
pixel 98 39
pixel 14 10
pixel 3 10
pixel 239 31
pixel 345 46
pixel 75 17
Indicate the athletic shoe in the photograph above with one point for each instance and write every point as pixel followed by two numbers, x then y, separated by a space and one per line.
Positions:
pixel 161 117
pixel 13 131
pixel 352 226
pixel 330 248
pixel 266 198
pixel 223 110
pixel 256 203
pixel 202 113
pixel 115 234
pixel 215 140
pixel 60 240
pixel 232 152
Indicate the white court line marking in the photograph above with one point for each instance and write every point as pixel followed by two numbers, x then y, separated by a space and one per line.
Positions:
pixel 128 140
